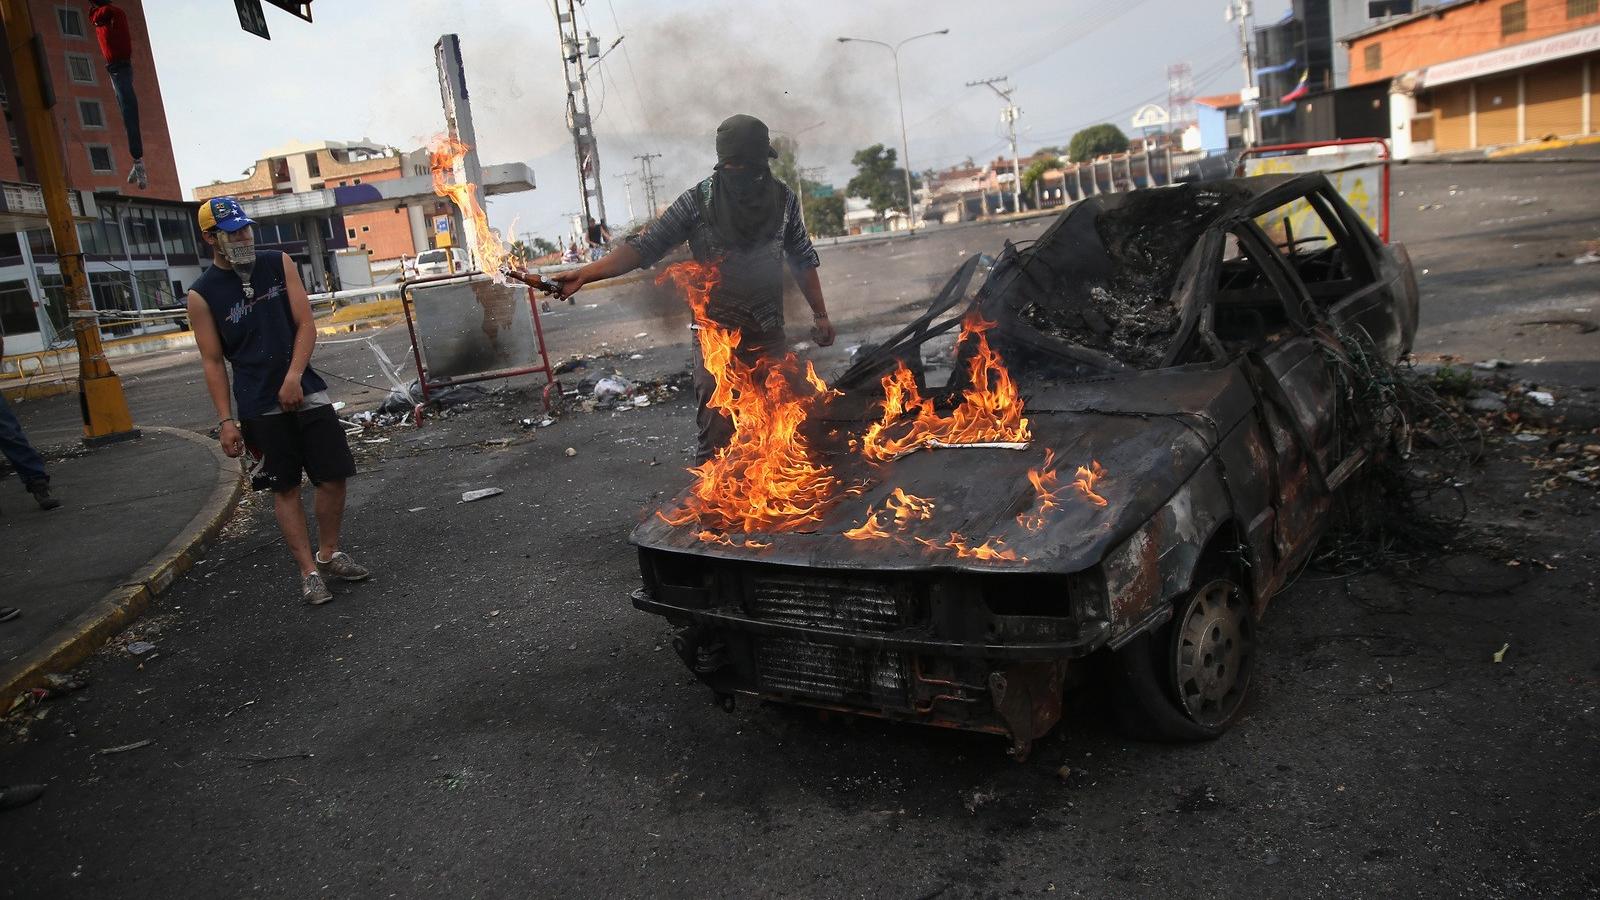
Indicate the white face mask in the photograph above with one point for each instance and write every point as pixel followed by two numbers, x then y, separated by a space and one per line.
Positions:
pixel 239 249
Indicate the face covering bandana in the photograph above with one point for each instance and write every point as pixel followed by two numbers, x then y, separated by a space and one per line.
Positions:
pixel 240 252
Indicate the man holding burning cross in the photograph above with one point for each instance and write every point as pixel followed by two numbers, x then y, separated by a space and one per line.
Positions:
pixel 747 223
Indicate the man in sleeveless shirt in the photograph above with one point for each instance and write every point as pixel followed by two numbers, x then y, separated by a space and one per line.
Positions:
pixel 749 224
pixel 251 309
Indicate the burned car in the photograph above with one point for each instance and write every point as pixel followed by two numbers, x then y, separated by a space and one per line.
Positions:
pixel 1146 419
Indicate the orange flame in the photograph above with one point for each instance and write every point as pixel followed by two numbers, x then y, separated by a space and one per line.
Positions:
pixel 990 408
pixel 991 549
pixel 1045 481
pixel 444 153
pixel 765 479
pixel 900 508
pixel 1086 480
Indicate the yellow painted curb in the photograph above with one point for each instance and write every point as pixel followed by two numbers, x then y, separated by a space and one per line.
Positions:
pixel 1536 146
pixel 75 641
pixel 19 392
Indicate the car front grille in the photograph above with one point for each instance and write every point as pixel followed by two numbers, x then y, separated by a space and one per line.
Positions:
pixel 832 672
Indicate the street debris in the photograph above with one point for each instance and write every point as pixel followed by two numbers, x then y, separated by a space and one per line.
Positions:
pixel 480 494
pixel 125 747
pixel 572 451
pixel 1489 365
pixel 1543 398
pixel 140 648
pixel 1500 655
pixel 612 387
pixel 63 684
pixel 531 422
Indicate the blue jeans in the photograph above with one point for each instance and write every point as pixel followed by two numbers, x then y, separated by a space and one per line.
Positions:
pixel 128 102
pixel 14 444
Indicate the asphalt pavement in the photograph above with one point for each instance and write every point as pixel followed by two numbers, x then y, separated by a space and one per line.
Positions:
pixel 490 717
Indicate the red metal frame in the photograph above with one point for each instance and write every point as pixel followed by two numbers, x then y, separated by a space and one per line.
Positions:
pixel 1384 160
pixel 551 396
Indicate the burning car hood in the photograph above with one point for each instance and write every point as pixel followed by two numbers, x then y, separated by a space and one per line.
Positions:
pixel 1149 431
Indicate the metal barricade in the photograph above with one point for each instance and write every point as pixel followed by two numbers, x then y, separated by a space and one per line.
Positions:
pixel 1353 166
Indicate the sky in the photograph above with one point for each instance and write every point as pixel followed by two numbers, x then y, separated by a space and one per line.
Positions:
pixel 364 71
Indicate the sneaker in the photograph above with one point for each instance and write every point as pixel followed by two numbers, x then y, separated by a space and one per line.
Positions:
pixel 342 567
pixel 41 494
pixel 313 591
pixel 15 795
pixel 137 175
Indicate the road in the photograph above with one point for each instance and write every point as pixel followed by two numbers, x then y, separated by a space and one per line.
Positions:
pixel 489 717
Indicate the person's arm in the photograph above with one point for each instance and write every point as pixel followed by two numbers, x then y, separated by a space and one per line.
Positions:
pixel 803 264
pixel 639 250
pixel 210 345
pixel 290 396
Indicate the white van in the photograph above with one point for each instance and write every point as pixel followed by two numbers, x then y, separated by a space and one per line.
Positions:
pixel 435 262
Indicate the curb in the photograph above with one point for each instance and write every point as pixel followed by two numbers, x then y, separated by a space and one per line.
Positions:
pixel 1536 146
pixel 75 641
pixel 39 390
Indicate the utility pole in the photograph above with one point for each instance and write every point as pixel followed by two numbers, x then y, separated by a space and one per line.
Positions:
pixel 649 181
pixel 905 146
pixel 627 191
pixel 1009 116
pixel 100 398
pixel 574 49
pixel 1239 11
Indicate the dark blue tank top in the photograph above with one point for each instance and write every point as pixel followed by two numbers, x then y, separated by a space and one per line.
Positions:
pixel 257 334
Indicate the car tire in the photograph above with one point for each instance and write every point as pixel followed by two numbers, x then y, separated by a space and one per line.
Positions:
pixel 1188 680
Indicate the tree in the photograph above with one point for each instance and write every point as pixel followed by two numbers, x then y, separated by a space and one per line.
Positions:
pixel 1035 171
pixel 1052 150
pixel 878 179
pixel 542 247
pixel 1097 140
pixel 824 215
pixel 519 249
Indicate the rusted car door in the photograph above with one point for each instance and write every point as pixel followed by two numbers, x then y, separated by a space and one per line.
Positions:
pixel 1290 373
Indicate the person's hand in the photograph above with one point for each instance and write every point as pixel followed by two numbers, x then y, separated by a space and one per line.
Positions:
pixel 822 333
pixel 232 441
pixel 290 396
pixel 568 282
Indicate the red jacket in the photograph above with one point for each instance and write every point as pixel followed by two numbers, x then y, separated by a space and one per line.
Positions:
pixel 111 27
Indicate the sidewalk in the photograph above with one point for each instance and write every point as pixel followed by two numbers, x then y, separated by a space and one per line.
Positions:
pixel 133 517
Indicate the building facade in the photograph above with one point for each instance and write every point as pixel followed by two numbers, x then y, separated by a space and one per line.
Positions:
pixel 141 247
pixel 1484 73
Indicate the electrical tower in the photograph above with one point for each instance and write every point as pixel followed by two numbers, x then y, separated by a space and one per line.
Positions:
pixel 575 48
pixel 1008 115
pixel 648 178
pixel 1180 96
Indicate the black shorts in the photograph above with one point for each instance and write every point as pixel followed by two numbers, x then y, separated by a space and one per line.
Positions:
pixel 288 443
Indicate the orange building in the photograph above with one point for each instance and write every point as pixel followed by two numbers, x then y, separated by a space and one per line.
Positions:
pixel 96 145
pixel 1482 73
pixel 300 167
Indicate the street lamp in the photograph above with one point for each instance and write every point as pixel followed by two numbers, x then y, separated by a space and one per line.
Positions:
pixel 905 150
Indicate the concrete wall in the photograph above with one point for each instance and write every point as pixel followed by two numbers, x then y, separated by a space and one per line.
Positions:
pixel 1456 32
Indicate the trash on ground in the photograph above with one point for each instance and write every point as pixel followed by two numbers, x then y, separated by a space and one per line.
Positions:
pixel 140 648
pixel 572 451
pixel 1500 655
pixel 611 387
pixel 531 422
pixel 71 681
pixel 1593 256
pixel 480 494
pixel 1543 398
pixel 1490 365
pixel 126 747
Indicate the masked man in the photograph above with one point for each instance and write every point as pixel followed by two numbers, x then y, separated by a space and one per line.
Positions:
pixel 748 224
pixel 251 309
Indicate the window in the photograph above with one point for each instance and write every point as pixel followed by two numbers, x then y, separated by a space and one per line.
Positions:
pixel 313 167
pixel 110 232
pixel 80 68
pixel 1514 18
pixel 177 235
pixel 1383 9
pixel 1373 56
pixel 91 114
pixel 1577 9
pixel 16 309
pixel 70 20
pixel 100 158
pixel 365 229
pixel 351 232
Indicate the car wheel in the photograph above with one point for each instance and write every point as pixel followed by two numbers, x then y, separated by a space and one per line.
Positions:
pixel 1188 680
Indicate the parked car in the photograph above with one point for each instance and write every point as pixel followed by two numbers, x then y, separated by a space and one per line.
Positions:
pixel 437 261
pixel 1188 346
